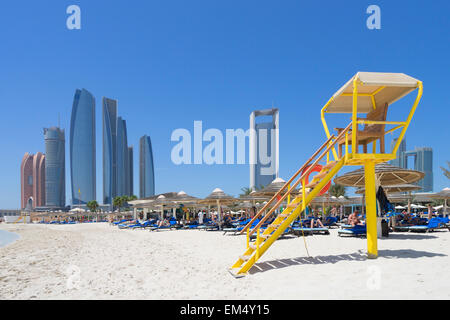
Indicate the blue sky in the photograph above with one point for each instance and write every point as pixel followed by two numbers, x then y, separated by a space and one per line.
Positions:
pixel 172 62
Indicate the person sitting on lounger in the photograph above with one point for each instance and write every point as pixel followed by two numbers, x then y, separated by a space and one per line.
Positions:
pixel 353 219
pixel 315 221
pixel 227 221
pixel 163 223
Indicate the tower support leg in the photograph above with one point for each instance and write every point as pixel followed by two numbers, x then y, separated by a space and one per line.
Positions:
pixel 371 210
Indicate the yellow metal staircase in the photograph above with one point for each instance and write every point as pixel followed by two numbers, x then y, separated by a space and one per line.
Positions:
pixel 254 250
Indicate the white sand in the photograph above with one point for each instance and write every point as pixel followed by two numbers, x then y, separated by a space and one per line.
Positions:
pixel 98 261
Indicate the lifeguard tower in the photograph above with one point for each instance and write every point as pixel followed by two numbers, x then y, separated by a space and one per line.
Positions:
pixel 369 93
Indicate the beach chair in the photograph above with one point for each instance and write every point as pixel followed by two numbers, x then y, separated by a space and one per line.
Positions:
pixel 370 133
pixel 238 227
pixel 350 231
pixel 298 231
pixel 434 224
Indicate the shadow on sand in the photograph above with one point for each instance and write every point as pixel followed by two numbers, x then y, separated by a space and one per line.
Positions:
pixel 357 256
pixel 408 236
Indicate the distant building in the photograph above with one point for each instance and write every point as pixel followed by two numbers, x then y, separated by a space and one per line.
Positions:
pixel 109 150
pixel 130 171
pixel 82 148
pixel 55 168
pixel 146 168
pixel 423 161
pixel 117 156
pixel 264 148
pixel 32 181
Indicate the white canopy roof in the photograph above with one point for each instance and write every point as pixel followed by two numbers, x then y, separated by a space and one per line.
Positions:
pixel 388 88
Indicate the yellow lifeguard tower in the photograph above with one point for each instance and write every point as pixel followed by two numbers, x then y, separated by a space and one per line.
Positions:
pixel 369 93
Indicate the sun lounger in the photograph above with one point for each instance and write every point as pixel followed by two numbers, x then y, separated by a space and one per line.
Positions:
pixel 348 230
pixel 305 230
pixel 433 224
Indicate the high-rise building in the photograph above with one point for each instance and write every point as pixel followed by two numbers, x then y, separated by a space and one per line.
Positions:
pixel 109 150
pixel 146 168
pixel 400 160
pixel 82 148
pixel 32 180
pixel 263 145
pixel 122 157
pixel 130 171
pixel 423 161
pixel 55 167
pixel 117 156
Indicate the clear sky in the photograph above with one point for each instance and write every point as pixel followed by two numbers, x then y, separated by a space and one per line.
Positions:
pixel 172 62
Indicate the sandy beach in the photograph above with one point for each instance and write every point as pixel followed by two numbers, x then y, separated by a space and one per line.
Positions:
pixel 99 261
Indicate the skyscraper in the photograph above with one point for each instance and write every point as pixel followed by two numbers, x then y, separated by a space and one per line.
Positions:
pixel 109 149
pixel 130 171
pixel 423 161
pixel 146 169
pixel 82 148
pixel 263 154
pixel 117 156
pixel 32 180
pixel 55 167
pixel 122 158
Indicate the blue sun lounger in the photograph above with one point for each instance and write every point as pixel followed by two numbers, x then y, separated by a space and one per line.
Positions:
pixel 433 224
pixel 298 231
pixel 348 230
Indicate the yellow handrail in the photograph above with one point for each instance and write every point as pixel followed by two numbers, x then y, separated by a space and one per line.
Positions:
pixel 286 184
pixel 302 177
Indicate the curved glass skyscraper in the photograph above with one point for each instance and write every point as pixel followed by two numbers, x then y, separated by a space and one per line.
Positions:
pixel 55 167
pixel 82 148
pixel 122 157
pixel 109 150
pixel 146 168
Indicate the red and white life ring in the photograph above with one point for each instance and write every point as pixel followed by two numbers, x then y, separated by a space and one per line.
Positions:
pixel 317 168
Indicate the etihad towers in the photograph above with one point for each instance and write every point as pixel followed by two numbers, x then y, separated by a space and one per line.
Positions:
pixel 117 155
pixel 82 148
pixel 146 168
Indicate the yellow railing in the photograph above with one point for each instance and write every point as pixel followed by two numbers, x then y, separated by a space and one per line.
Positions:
pixel 330 142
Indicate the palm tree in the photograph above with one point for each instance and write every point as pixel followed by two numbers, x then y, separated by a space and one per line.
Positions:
pixel 246 191
pixel 118 202
pixel 337 190
pixel 92 205
pixel 446 172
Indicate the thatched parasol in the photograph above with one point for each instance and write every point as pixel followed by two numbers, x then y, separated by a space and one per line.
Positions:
pixel 444 194
pixel 406 187
pixel 385 175
pixel 271 189
pixel 218 197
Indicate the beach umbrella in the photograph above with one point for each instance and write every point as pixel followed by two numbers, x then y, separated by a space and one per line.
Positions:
pixel 444 194
pixel 218 197
pixel 400 207
pixel 385 175
pixel 406 187
pixel 272 188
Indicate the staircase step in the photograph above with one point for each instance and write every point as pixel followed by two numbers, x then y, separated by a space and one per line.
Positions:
pixel 253 246
pixel 320 175
pixel 265 236
pixel 330 165
pixel 283 215
pixel 245 257
pixel 292 205
pixel 312 184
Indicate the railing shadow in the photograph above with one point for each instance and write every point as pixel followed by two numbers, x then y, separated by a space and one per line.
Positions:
pixel 330 259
